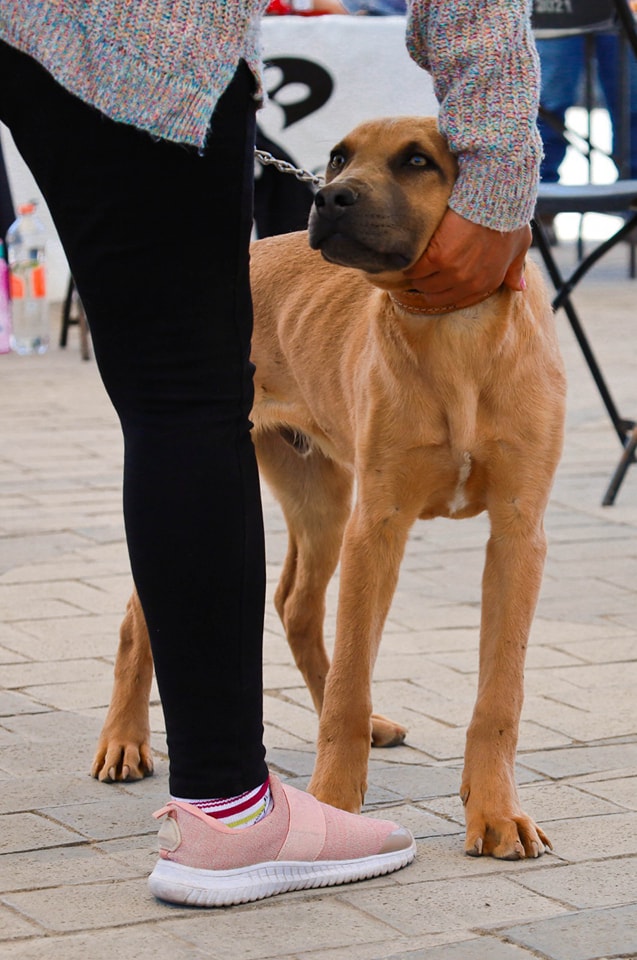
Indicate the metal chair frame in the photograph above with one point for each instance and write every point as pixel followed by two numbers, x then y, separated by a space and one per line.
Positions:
pixel 589 17
pixel 73 314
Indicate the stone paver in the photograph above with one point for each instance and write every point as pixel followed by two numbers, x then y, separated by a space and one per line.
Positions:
pixel 584 936
pixel 75 854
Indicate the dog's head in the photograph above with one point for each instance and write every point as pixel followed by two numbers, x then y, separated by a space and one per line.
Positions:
pixel 387 187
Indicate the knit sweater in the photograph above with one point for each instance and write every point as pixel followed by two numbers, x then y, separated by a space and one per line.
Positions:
pixel 161 65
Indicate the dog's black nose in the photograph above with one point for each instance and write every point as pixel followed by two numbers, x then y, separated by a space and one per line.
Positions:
pixel 332 200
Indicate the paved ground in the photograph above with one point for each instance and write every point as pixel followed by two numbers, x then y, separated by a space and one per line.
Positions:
pixel 75 854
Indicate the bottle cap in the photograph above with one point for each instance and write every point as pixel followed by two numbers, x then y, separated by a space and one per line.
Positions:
pixel 26 207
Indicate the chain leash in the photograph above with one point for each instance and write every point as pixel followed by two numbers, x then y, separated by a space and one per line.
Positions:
pixel 266 159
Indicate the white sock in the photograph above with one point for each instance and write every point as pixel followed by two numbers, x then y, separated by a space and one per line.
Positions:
pixel 241 811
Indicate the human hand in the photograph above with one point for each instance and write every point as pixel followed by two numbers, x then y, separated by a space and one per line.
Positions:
pixel 465 262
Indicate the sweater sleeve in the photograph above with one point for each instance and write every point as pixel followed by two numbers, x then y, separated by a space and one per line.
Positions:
pixel 486 74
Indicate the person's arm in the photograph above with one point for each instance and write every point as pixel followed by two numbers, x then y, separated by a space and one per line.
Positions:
pixel 485 69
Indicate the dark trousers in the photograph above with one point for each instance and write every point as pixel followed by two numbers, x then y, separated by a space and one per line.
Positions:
pixel 157 240
pixel 563 62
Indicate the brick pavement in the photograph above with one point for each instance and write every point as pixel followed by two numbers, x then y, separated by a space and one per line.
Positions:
pixel 74 854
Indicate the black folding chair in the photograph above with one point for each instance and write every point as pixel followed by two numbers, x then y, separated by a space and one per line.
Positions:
pixel 73 314
pixel 589 17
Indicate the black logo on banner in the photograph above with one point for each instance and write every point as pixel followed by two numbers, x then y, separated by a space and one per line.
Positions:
pixel 315 78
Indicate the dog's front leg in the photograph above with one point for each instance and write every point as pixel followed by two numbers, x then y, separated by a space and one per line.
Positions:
pixel 496 824
pixel 370 561
pixel 123 751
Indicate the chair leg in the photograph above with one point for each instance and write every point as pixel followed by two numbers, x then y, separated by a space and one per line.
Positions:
pixel 72 300
pixel 84 331
pixel 626 430
pixel 66 313
pixel 627 458
pixel 563 288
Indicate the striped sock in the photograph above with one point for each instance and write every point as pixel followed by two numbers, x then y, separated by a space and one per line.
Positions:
pixel 241 811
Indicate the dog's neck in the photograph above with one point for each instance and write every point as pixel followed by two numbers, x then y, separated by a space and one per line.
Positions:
pixel 412 302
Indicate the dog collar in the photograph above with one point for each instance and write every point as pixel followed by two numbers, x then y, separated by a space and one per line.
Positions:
pixel 411 301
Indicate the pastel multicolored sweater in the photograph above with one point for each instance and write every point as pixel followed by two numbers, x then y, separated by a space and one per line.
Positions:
pixel 162 65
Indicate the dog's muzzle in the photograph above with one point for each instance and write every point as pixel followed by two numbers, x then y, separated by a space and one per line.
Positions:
pixel 348 231
pixel 332 200
pixel 331 203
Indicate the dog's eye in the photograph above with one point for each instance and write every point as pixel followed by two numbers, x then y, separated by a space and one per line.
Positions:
pixel 337 160
pixel 418 160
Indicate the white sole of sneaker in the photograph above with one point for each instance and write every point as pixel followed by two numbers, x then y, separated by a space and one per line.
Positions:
pixel 177 883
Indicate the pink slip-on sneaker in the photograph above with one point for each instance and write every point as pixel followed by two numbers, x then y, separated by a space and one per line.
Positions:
pixel 302 843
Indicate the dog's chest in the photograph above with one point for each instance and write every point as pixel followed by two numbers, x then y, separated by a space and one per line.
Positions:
pixel 459 499
pixel 453 484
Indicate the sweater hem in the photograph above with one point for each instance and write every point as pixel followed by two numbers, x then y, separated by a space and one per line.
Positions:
pixel 163 104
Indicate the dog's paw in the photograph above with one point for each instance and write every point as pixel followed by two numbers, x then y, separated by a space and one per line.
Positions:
pixel 338 792
pixel 117 762
pixel 507 838
pixel 386 732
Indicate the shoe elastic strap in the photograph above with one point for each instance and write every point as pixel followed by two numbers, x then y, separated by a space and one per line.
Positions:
pixel 306 832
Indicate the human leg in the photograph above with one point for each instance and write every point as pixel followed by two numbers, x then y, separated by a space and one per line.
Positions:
pixel 562 64
pixel 609 69
pixel 157 241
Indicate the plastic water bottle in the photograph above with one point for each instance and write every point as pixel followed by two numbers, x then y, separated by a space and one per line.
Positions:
pixel 5 305
pixel 29 304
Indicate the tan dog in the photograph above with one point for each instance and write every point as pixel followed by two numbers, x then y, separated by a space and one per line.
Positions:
pixel 427 415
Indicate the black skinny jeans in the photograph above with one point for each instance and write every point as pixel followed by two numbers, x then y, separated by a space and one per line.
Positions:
pixel 157 241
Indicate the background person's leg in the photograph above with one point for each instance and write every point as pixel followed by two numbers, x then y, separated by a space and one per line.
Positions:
pixel 157 240
pixel 608 60
pixel 562 65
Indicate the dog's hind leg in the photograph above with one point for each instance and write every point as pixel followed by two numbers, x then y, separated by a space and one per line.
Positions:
pixel 123 750
pixel 315 496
